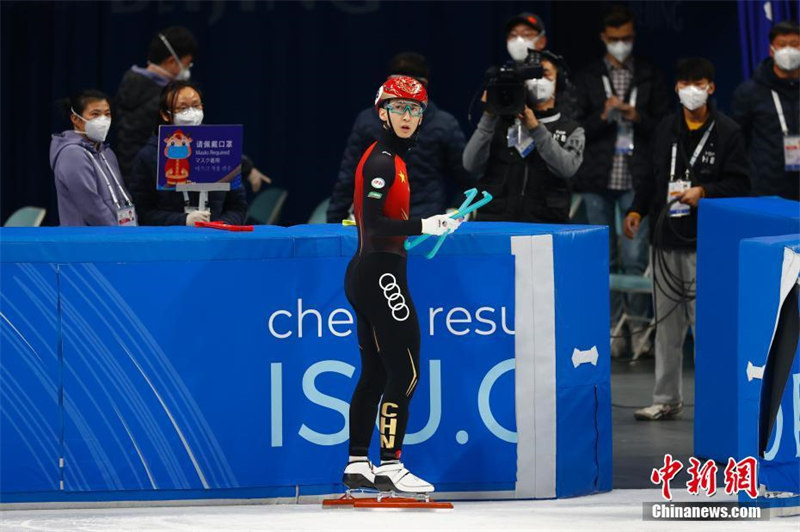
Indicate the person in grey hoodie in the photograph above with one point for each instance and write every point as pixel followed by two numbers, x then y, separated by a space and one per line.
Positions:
pixel 88 182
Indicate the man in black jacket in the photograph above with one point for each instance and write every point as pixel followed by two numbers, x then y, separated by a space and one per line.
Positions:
pixel 768 109
pixel 435 161
pixel 697 152
pixel 170 57
pixel 621 98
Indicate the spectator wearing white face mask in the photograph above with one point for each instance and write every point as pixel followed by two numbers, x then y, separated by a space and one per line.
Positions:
pixel 87 177
pixel 697 152
pixel 525 32
pixel 170 57
pixel 181 104
pixel 621 98
pixel 768 109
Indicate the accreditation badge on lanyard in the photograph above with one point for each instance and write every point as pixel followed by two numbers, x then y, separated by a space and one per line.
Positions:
pixel 123 204
pixel 520 138
pixel 126 216
pixel 676 187
pixel 624 142
pixel 791 143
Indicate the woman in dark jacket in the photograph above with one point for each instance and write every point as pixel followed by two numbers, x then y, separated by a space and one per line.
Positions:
pixel 181 104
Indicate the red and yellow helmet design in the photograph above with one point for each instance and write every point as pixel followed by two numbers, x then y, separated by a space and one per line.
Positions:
pixel 402 87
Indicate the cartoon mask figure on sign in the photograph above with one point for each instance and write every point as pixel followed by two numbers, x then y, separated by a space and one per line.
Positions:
pixel 177 151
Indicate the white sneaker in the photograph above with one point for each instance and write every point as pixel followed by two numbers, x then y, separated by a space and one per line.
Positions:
pixel 395 477
pixel 359 475
pixel 658 411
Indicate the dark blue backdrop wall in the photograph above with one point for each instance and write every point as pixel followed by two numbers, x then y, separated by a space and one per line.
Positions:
pixel 296 73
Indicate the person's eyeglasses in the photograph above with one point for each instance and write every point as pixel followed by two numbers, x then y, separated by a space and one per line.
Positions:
pixel 185 107
pixel 400 108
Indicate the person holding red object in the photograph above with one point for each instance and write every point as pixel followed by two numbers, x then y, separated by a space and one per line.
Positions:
pixel 376 287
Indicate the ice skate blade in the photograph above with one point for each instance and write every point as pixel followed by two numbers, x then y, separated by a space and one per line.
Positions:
pixel 348 500
pixel 402 501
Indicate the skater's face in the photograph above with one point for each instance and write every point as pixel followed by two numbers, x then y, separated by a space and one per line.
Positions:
pixel 406 116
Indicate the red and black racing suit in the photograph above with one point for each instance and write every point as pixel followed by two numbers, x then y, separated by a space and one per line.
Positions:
pixel 375 285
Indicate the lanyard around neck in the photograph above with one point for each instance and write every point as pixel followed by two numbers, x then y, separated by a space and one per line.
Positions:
pixel 779 109
pixel 610 92
pixel 697 151
pixel 99 168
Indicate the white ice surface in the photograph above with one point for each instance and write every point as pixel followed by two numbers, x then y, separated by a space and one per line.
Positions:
pixel 619 510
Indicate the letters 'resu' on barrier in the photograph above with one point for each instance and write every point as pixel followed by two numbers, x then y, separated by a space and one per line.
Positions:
pixel 205 158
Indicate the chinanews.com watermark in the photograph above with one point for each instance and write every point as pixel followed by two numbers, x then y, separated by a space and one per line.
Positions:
pixel 701 511
pixel 738 477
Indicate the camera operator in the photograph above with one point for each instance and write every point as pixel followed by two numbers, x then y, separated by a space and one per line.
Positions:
pixel 526 160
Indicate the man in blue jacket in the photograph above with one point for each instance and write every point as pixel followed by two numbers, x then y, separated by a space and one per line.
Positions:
pixel 768 109
pixel 435 161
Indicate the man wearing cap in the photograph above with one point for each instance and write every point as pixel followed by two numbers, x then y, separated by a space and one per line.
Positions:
pixel 621 99
pixel 525 32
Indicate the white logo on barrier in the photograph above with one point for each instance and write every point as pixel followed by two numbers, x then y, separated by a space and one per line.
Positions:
pixel 394 297
pixel 583 357
pixel 754 372
pixel 312 392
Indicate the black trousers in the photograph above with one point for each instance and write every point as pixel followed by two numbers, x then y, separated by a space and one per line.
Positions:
pixel 388 339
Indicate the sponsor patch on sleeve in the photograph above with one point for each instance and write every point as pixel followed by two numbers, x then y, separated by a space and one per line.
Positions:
pixel 378 182
pixel 375 195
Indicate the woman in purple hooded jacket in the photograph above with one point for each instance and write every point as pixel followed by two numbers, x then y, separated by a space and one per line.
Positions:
pixel 88 181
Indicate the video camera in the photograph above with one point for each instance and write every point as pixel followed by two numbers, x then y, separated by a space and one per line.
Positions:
pixel 506 94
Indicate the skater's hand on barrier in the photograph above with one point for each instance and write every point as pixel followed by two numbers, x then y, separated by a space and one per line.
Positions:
pixel 197 216
pixel 439 224
pixel 631 224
